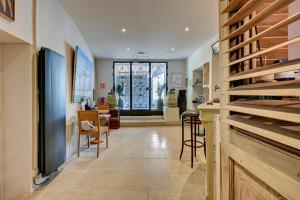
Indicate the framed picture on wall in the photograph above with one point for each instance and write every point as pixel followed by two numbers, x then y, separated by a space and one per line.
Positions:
pixel 216 48
pixel 177 79
pixel 83 74
pixel 7 9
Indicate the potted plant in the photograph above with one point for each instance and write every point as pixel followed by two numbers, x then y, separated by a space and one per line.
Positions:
pixel 159 91
pixel 120 90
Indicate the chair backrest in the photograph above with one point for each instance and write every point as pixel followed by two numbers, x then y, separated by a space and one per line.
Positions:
pixel 91 116
pixel 103 107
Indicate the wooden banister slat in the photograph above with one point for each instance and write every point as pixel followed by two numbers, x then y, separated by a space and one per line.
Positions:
pixel 274 112
pixel 259 17
pixel 246 10
pixel 282 88
pixel 275 133
pixel 259 53
pixel 234 5
pixel 279 25
pixel 272 69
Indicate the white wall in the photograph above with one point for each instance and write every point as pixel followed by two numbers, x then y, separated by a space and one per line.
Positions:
pixel 104 74
pixel 177 66
pixel 22 27
pixel 57 31
pixel 196 60
pixel 17 119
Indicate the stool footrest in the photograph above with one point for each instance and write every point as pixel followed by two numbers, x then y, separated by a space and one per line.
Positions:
pixel 186 143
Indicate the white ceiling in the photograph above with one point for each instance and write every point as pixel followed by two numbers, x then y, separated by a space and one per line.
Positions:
pixel 153 26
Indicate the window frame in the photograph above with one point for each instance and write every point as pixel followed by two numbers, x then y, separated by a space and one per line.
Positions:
pixel 148 112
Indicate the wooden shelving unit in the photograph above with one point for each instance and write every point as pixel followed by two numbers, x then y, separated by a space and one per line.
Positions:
pixel 260 121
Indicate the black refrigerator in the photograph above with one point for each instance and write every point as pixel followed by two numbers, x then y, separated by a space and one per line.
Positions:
pixel 52 111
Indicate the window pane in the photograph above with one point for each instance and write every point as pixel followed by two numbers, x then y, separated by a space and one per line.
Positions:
pixel 158 89
pixel 122 84
pixel 140 86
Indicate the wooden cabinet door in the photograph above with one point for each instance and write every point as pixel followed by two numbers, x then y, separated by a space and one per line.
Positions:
pixel 260 121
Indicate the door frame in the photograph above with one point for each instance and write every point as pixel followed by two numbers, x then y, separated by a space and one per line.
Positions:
pixel 147 112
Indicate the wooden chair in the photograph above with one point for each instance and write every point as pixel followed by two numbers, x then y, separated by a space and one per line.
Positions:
pixel 104 118
pixel 93 118
pixel 103 107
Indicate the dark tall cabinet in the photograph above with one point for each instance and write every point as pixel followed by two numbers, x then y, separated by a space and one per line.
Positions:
pixel 52 111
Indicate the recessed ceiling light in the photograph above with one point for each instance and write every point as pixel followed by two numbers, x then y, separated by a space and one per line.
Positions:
pixel 123 30
pixel 187 29
pixel 172 49
pixel 128 49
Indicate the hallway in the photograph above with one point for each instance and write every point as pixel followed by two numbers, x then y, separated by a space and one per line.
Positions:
pixel 140 164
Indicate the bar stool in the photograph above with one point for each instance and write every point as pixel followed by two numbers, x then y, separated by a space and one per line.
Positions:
pixel 192 118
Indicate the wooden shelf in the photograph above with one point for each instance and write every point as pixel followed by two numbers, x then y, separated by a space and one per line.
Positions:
pixel 282 88
pixel 234 5
pixel 272 69
pixel 281 135
pixel 277 26
pixel 289 114
pixel 259 17
pixel 245 11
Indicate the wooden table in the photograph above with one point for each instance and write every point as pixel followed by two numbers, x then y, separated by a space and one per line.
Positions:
pixel 103 111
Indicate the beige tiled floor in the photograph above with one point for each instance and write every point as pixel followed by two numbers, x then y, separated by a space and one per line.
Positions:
pixel 141 163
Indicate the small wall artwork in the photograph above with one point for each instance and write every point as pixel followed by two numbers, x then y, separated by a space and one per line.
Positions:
pixel 177 80
pixel 7 9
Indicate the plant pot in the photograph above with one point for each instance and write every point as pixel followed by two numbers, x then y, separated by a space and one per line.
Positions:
pixel 112 100
pixel 171 101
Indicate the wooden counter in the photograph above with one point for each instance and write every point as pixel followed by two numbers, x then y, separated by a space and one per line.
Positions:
pixel 207 116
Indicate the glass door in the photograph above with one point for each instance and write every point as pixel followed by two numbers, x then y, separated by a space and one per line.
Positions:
pixel 140 86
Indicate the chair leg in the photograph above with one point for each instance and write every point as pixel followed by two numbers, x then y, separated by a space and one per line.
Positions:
pixel 78 153
pixel 107 139
pixel 195 138
pixel 204 139
pixel 182 137
pixel 88 141
pixel 108 123
pixel 98 145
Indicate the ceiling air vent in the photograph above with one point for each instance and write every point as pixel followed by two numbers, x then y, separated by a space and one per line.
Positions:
pixel 141 53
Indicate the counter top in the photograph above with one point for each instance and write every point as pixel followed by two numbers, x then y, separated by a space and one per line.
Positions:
pixel 208 107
